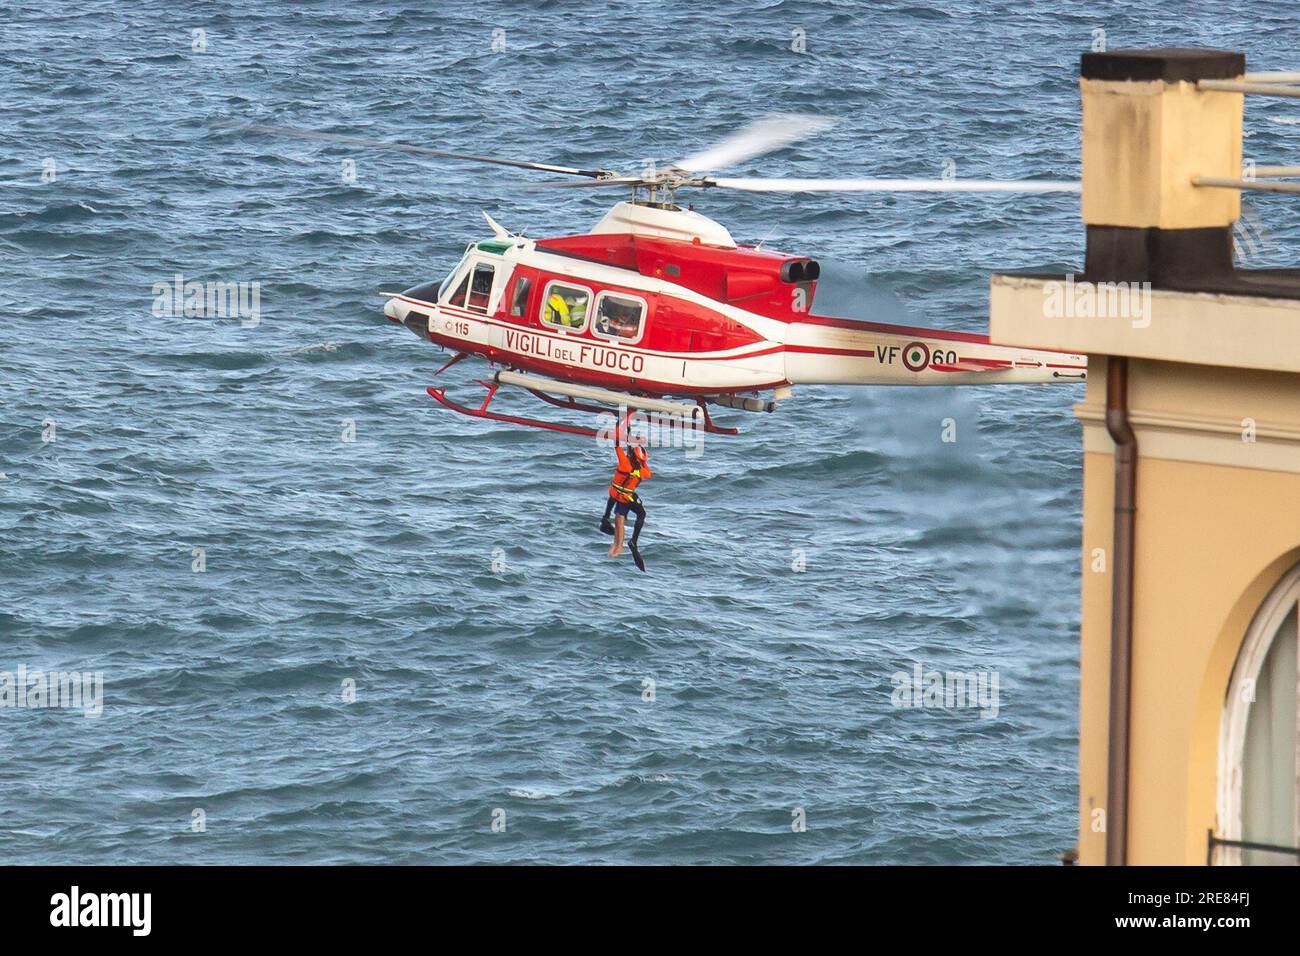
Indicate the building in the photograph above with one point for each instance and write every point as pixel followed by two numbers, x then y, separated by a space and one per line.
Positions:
pixel 1191 492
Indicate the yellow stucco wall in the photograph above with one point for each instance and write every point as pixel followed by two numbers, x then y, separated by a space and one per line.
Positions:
pixel 1211 540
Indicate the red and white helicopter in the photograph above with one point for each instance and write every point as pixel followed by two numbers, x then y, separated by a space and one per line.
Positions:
pixel 657 309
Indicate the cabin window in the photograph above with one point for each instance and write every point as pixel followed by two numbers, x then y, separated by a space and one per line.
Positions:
pixel 480 287
pixel 519 302
pixel 565 306
pixel 619 317
pixel 1259 790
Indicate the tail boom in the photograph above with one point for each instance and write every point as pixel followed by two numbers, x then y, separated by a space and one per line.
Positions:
pixel 848 352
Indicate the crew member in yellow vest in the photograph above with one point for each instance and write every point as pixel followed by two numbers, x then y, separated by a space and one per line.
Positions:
pixel 633 468
pixel 557 311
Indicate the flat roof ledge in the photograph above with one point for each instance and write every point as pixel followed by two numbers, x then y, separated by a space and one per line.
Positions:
pixel 1070 314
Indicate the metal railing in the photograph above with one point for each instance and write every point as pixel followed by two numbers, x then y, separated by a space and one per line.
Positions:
pixel 1215 842
pixel 1274 83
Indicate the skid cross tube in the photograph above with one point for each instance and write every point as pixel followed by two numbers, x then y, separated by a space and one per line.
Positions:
pixel 457 358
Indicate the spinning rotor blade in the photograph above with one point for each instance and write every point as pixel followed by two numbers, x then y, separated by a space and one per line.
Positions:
pixel 896 185
pixel 765 135
pixel 424 150
pixel 762 136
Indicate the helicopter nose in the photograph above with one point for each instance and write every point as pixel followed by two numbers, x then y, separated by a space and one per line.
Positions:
pixel 403 313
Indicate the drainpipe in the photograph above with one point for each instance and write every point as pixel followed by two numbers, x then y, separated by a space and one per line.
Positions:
pixel 1121 608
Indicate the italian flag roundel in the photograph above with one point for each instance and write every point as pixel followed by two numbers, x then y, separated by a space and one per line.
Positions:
pixel 916 356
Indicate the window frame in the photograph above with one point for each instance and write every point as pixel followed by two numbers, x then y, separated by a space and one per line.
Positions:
pixel 1265 628
pixel 567 329
pixel 640 332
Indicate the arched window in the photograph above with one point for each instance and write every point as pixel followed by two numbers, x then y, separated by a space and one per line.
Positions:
pixel 1259 790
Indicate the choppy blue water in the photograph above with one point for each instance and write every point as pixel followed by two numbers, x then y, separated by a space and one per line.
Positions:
pixel 519 688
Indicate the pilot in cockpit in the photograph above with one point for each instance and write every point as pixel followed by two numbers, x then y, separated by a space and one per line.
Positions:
pixel 618 320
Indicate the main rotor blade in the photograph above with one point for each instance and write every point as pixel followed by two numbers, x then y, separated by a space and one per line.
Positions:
pixel 763 136
pixel 588 183
pixel 896 185
pixel 423 150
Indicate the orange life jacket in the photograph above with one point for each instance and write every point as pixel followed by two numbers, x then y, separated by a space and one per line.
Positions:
pixel 626 477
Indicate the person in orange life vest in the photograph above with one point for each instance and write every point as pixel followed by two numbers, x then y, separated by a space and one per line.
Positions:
pixel 633 468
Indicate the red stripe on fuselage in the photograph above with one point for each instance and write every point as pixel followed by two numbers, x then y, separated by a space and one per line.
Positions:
pixel 887 329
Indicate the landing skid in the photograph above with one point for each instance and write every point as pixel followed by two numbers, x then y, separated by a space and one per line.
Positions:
pixel 568 403
pixel 440 394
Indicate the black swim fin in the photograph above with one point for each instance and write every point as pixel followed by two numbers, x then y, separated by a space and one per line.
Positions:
pixel 636 556
pixel 605 526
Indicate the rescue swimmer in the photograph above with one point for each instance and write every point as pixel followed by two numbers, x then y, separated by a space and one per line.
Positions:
pixel 632 469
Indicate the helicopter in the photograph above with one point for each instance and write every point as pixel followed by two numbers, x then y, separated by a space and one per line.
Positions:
pixel 657 310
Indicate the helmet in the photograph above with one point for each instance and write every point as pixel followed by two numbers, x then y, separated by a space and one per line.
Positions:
pixel 637 454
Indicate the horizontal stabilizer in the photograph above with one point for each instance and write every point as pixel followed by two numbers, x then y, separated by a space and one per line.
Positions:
pixel 972 365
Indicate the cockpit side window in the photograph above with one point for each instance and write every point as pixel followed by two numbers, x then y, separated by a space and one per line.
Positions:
pixel 480 287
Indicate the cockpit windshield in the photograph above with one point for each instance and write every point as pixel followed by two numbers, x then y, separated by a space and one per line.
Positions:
pixel 433 292
pixel 442 289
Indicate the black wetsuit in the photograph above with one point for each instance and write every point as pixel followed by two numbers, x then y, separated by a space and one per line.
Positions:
pixel 636 506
